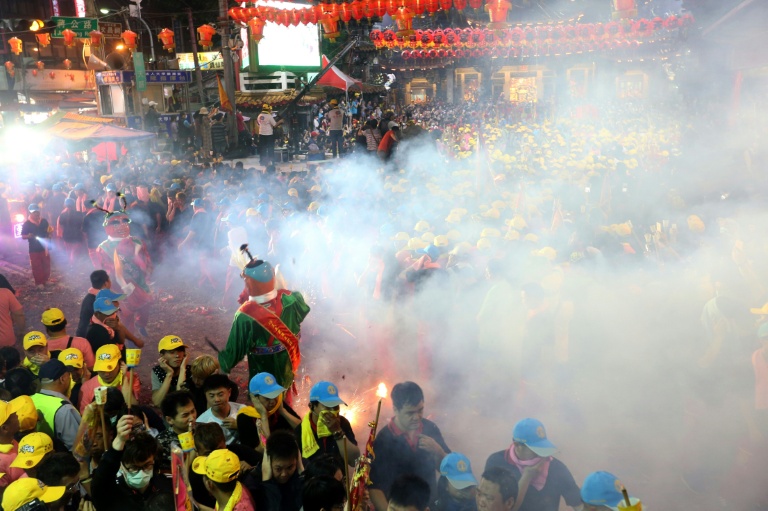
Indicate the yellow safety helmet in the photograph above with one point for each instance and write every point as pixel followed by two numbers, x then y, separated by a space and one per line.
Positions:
pixel 401 236
pixel 428 237
pixel 441 240
pixel 416 244
pixel 421 226
pixel 490 232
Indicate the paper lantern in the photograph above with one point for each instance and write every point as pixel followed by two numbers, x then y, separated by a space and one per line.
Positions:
pixel 236 13
pixel 205 33
pixel 129 39
pixel 295 17
pixel 67 64
pixel 69 37
pixel 34 72
pixel 475 4
pixel 43 39
pixel 166 37
pixel 369 9
pixel 52 75
pixel 404 21
pixel 256 28
pixel 418 6
pixel 358 9
pixel 432 6
pixel 623 9
pixel 406 54
pixel 10 67
pixel 40 65
pixel 393 6
pixel 97 38
pixel 497 11
pixel 379 7
pixel 460 4
pixel 445 4
pixel 345 12
pixel 308 16
pixel 330 24
pixel 16 45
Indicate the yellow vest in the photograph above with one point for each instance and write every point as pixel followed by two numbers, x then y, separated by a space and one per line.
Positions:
pixel 47 406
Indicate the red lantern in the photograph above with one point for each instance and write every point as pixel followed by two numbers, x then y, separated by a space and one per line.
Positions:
pixel 369 9
pixel 446 4
pixel 477 37
pixel 623 9
pixel 460 4
pixel 330 24
pixel 431 6
pixel 308 16
pixel 97 38
pixel 166 37
pixel 358 9
pixel 69 37
pixel 418 6
pixel 10 67
pixel 497 11
pixel 283 18
pixel 205 33
pixel 475 4
pixel 432 54
pixel 390 39
pixel 451 38
pixel 425 37
pixel 404 20
pixel 34 72
pixel 393 6
pixel 16 45
pixel 440 53
pixel 417 54
pixel 671 22
pixel 256 29
pixel 406 54
pixel 52 75
pixel 294 17
pixel 377 38
pixel 345 12
pixel 40 65
pixel 67 64
pixel 450 53
pixel 43 39
pixel 129 38
pixel 438 37
pixel 235 13
pixel 379 7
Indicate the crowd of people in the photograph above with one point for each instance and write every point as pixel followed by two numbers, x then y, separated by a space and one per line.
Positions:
pixel 508 264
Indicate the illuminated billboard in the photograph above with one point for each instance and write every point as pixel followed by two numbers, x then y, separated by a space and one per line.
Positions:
pixel 286 48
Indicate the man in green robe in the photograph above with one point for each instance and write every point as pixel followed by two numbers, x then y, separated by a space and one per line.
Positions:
pixel 266 327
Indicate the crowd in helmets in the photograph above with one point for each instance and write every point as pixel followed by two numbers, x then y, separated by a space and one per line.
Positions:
pixel 498 226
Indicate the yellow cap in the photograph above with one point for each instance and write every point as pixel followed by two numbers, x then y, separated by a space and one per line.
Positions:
pixel 416 244
pixel 499 204
pixel 453 218
pixel 221 466
pixel 401 236
pixel 517 222
pixel 35 338
pixel 421 226
pixel 492 213
pixel 7 409
pixel 313 206
pixel 52 317
pixel 105 178
pixel 459 211
pixel 453 235
pixel 484 244
pixel 315 189
pixel 696 224
pixel 25 490
pixel 441 241
pixel 170 343
pixel 293 192
pixel 548 253
pixel 762 311
pixel 32 448
pixel 107 358
pixel 428 237
pixel 26 412
pixel 512 235
pixel 490 232
pixel 251 212
pixel 72 357
pixel 531 237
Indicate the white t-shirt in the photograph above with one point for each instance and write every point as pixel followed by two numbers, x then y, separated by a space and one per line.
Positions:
pixel 266 123
pixel 208 417
pixel 336 118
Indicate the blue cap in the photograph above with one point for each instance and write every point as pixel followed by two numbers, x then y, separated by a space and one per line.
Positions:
pixel 69 203
pixel 260 273
pixel 175 186
pixel 198 203
pixel 432 251
pixel 104 305
pixel 532 434
pixel 111 295
pixel 602 489
pixel 458 470
pixel 762 332
pixel 326 393
pixel 111 187
pixel 263 196
pixel 57 187
pixel 264 384
pixel 33 207
pixel 79 187
pixel 157 182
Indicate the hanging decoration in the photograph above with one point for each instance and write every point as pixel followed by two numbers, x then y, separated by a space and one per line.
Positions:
pixel 330 24
pixel 206 33
pixel 404 20
pixel 166 37
pixel 69 37
pixel 129 39
pixel 497 11
pixel 624 9
pixel 97 38
pixel 16 45
pixel 256 27
pixel 67 64
pixel 10 67
pixel 43 39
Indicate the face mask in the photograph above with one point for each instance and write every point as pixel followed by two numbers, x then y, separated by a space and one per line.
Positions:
pixel 139 480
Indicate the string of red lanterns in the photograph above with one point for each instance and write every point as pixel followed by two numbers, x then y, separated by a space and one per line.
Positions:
pixel 598 33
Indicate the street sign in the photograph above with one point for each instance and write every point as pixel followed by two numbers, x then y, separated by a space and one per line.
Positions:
pixel 111 30
pixel 80 26
pixel 141 72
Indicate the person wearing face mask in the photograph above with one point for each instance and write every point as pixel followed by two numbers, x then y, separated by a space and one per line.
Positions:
pixel 36 351
pixel 267 400
pixel 132 458
pixel 457 486
pixel 322 430
pixel 61 419
pixel 543 480
pixel 73 359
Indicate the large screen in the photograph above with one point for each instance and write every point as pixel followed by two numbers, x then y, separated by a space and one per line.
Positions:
pixel 288 47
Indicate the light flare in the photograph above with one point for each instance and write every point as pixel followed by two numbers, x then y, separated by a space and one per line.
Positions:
pixel 381 391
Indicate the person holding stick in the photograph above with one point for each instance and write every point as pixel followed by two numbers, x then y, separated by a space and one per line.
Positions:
pixel 603 491
pixel 110 372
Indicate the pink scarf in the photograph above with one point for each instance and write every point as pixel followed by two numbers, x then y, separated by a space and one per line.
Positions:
pixel 541 478
pixel 96 321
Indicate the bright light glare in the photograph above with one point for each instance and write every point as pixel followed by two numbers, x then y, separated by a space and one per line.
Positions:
pixel 120 47
pixel 20 142
pixel 104 10
pixel 381 391
pixel 18 218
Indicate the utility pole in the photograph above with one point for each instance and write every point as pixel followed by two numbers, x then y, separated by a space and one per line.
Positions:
pixel 229 68
pixel 198 72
